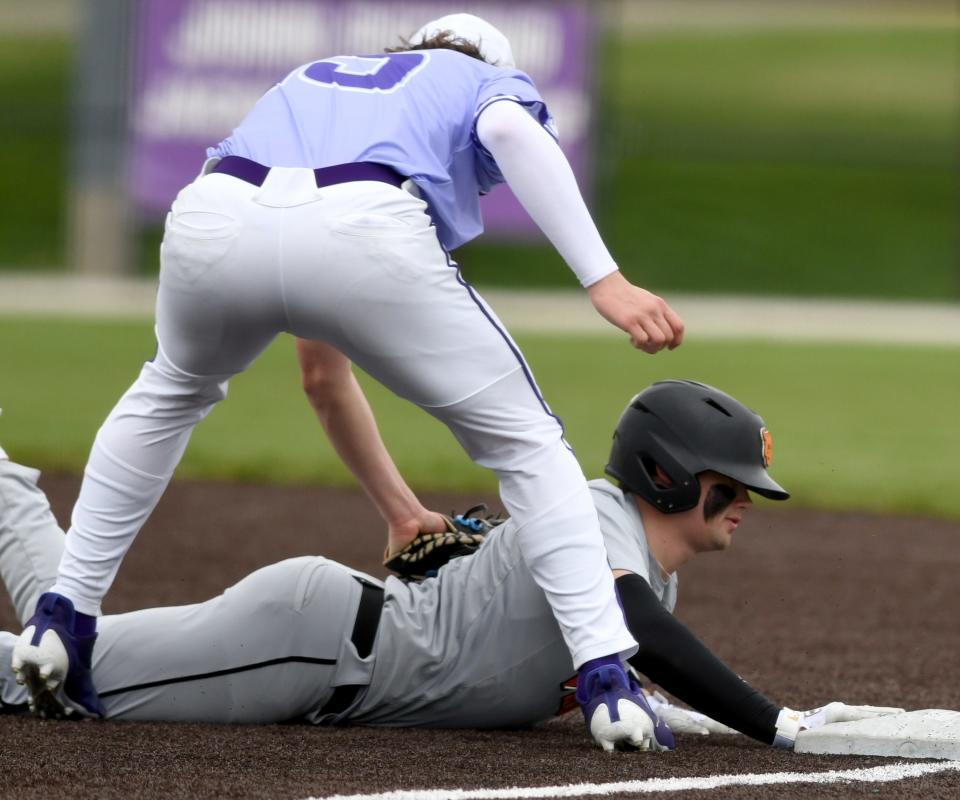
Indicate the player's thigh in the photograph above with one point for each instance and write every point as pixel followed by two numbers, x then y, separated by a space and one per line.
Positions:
pixel 403 314
pixel 444 348
pixel 266 650
pixel 506 426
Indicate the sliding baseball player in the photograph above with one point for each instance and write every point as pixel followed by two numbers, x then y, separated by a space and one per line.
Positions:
pixel 476 646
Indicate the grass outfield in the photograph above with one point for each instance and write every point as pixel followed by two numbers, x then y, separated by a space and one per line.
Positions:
pixel 795 160
pixel 855 427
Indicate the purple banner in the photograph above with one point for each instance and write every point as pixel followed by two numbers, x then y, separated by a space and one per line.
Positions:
pixel 201 65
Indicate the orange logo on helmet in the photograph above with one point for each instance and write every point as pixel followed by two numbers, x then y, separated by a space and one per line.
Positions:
pixel 767 447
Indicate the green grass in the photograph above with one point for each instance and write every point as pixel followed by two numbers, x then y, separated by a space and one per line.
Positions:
pixel 857 427
pixel 33 150
pixel 780 228
pixel 801 161
pixel 849 94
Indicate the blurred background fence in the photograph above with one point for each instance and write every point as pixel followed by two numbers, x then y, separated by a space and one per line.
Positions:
pixel 728 146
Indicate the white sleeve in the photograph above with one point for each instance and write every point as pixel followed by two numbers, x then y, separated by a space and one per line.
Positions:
pixel 540 176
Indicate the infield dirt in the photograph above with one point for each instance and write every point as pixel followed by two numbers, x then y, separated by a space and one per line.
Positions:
pixel 808 606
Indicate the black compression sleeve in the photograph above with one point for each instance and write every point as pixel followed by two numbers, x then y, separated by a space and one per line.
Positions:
pixel 671 656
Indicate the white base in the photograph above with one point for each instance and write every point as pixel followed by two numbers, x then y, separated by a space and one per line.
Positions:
pixel 931 733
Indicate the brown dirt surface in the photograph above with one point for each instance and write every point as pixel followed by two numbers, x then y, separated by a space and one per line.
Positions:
pixel 808 606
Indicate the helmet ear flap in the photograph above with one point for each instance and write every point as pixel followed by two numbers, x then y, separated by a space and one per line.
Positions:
pixel 636 468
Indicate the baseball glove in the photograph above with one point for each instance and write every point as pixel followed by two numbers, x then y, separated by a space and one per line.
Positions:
pixel 425 554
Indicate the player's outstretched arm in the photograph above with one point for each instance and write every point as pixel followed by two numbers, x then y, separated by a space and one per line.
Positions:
pixel 346 417
pixel 673 657
pixel 540 176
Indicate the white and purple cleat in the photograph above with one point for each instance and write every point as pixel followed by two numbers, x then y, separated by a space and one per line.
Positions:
pixel 52 658
pixel 616 710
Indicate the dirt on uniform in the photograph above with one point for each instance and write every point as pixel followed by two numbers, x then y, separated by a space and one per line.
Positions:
pixel 808 606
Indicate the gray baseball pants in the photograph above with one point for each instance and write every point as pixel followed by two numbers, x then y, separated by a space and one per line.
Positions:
pixel 272 648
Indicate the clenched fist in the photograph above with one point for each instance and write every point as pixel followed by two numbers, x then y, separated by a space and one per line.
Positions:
pixel 646 318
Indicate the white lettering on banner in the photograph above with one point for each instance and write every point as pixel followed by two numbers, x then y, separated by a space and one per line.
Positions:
pixel 268 38
pixel 193 107
pixel 241 34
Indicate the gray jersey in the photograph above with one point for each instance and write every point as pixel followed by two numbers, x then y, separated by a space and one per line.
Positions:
pixel 478 646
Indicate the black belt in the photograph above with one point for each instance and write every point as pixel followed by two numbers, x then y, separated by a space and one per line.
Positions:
pixel 252 172
pixel 364 632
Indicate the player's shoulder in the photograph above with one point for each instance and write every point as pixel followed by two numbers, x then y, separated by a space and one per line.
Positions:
pixel 613 507
pixel 602 488
pixel 617 511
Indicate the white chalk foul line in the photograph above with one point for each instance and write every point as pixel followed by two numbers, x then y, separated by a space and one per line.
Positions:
pixel 884 774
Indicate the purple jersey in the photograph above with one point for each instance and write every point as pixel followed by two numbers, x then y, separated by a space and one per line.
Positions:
pixel 414 111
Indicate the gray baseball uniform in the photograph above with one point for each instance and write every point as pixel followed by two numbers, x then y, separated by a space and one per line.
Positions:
pixel 478 646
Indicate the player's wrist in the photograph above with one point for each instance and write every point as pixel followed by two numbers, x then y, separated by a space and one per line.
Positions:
pixel 611 281
pixel 788 727
pixel 593 277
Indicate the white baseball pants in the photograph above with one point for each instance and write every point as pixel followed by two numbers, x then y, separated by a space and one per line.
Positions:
pixel 357 265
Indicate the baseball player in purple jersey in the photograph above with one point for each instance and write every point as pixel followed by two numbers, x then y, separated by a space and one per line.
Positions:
pixel 329 214
pixel 477 646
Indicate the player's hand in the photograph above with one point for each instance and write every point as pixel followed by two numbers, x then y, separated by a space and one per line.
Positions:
pixel 685 720
pixel 646 318
pixel 428 551
pixel 790 722
pixel 401 532
pixel 841 712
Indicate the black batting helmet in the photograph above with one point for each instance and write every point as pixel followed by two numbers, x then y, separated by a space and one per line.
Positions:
pixel 686 427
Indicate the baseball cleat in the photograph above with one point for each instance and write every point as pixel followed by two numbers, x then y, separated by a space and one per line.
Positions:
pixel 53 662
pixel 616 711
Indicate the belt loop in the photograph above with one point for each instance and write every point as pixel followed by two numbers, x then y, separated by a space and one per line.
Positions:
pixel 209 165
